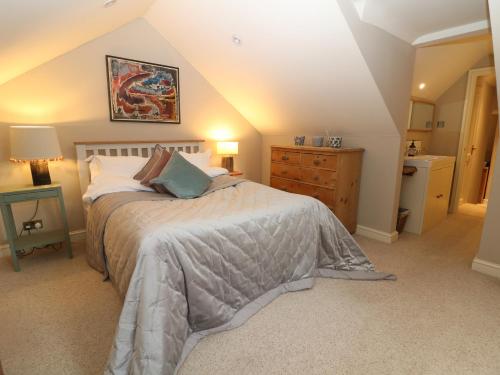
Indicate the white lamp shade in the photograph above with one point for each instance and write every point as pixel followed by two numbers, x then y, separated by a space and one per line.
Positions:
pixel 34 143
pixel 227 148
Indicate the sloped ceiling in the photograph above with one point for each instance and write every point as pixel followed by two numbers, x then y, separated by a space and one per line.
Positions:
pixel 298 66
pixel 411 20
pixel 35 31
pixel 441 65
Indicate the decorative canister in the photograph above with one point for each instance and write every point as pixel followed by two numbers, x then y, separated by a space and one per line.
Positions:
pixel 299 140
pixel 317 141
pixel 335 142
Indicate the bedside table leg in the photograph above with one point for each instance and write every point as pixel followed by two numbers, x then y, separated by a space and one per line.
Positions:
pixel 10 229
pixel 69 251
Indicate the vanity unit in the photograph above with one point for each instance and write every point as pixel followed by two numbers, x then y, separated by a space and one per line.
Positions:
pixel 427 192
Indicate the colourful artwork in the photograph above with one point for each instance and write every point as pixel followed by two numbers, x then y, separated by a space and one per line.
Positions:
pixel 142 92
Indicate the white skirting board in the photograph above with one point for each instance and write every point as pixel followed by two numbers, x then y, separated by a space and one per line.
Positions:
pixel 375 234
pixel 488 268
pixel 76 236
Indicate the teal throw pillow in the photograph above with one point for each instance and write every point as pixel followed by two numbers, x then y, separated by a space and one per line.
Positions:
pixel 183 179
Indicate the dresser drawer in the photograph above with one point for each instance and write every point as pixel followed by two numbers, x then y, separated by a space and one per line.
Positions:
pixel 289 157
pixel 318 176
pixel 327 196
pixel 285 185
pixel 319 161
pixel 285 171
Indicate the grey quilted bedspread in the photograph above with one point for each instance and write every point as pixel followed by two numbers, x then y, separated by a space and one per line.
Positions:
pixel 187 268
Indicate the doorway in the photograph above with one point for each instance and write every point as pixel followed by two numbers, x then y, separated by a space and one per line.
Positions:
pixel 478 141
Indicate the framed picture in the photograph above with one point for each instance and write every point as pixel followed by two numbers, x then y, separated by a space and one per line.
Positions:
pixel 142 92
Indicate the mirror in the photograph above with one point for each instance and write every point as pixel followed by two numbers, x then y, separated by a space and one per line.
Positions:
pixel 422 115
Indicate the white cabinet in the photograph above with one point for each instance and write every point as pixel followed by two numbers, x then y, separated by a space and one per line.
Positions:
pixel 427 193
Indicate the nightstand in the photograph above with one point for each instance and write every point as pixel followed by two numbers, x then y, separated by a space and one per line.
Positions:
pixel 10 195
pixel 236 173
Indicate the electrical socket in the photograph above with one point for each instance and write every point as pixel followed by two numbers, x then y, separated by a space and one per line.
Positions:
pixel 34 224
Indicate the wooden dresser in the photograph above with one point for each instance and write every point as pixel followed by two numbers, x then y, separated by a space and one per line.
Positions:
pixel 328 174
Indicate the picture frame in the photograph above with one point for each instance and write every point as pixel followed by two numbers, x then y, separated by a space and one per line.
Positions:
pixel 140 91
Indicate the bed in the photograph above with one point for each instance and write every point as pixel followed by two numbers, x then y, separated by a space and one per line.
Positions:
pixel 187 268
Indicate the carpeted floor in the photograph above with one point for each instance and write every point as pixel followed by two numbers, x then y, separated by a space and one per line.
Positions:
pixel 58 317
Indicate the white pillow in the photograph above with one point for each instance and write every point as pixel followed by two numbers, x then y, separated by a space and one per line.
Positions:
pixel 105 184
pixel 125 166
pixel 199 159
pixel 215 171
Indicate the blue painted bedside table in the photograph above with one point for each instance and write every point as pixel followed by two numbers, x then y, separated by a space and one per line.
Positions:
pixel 14 194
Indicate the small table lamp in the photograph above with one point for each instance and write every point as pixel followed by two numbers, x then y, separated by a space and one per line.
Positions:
pixel 38 145
pixel 227 150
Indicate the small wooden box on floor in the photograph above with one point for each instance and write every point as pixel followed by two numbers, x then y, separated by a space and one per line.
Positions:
pixel 328 174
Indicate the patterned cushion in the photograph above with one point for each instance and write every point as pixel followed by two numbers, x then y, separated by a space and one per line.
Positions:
pixel 154 166
pixel 182 179
pixel 158 150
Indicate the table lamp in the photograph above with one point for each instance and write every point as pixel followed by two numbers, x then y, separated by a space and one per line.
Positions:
pixel 38 145
pixel 227 150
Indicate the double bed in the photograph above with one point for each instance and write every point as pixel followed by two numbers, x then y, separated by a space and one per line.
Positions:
pixel 187 268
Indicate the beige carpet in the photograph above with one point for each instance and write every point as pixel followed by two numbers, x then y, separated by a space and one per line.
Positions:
pixel 57 317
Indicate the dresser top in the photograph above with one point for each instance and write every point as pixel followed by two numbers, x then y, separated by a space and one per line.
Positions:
pixel 319 149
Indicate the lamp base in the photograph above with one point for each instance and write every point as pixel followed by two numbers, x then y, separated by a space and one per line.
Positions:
pixel 40 172
pixel 228 163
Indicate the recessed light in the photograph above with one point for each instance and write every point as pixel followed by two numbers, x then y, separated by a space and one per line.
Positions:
pixel 108 3
pixel 236 40
pixel 422 86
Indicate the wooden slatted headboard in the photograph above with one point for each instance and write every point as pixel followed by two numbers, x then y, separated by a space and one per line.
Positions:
pixel 125 148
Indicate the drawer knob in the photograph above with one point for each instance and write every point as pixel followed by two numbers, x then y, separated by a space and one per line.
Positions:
pixel 316 178
pixel 439 196
pixel 316 161
pixel 284 157
pixel 284 172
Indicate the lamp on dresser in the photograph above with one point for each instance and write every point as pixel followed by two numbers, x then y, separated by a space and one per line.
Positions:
pixel 38 145
pixel 227 150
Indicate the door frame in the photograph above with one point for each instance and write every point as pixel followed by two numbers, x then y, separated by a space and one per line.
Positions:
pixel 470 93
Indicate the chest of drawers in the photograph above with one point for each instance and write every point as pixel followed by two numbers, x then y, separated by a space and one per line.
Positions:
pixel 329 175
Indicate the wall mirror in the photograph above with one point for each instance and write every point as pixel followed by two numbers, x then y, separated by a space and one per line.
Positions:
pixel 422 115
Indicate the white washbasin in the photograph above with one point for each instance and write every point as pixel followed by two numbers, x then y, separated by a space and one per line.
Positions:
pixel 429 161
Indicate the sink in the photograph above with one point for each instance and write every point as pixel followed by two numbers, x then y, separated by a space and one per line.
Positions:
pixel 429 161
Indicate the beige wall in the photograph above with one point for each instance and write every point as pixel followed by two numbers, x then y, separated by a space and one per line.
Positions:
pixel 449 108
pixel 425 137
pixel 493 160
pixel 390 60
pixel 490 249
pixel 71 93
pixel 311 75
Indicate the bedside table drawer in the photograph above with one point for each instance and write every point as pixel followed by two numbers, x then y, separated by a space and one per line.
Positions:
pixel 21 197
